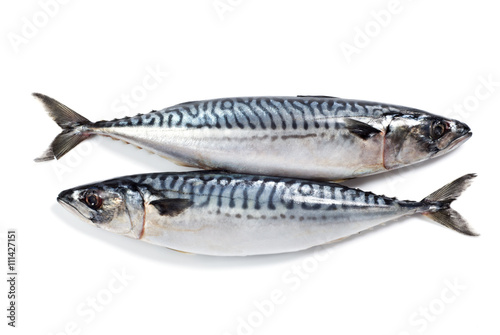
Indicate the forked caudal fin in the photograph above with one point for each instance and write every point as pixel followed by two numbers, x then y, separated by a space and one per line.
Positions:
pixel 441 200
pixel 68 120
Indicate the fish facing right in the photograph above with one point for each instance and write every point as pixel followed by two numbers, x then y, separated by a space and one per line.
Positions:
pixel 310 137
pixel 223 214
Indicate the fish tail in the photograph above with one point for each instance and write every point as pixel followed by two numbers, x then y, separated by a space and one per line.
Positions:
pixel 439 205
pixel 68 120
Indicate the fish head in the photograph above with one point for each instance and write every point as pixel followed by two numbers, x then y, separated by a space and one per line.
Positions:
pixel 417 136
pixel 118 209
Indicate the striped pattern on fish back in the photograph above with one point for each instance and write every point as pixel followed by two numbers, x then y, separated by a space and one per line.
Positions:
pixel 207 188
pixel 258 113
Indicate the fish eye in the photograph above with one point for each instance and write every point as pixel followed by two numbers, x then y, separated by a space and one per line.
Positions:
pixel 438 128
pixel 93 200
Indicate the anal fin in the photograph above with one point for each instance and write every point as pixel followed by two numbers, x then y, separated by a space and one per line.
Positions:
pixel 336 240
pixel 182 252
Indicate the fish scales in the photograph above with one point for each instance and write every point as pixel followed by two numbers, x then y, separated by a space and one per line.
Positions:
pixel 267 127
pixel 317 138
pixel 253 113
pixel 237 191
pixel 214 213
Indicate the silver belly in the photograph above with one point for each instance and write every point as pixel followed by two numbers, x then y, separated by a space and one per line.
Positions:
pixel 314 155
pixel 236 232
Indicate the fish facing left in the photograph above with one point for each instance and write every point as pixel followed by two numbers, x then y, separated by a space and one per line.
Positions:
pixel 222 214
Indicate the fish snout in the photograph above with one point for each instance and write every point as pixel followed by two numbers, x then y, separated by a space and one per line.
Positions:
pixel 65 197
pixel 461 128
pixel 458 133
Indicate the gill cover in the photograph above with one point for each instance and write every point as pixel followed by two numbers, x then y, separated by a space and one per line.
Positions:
pixel 133 205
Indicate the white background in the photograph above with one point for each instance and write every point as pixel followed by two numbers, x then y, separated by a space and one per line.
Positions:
pixel 408 277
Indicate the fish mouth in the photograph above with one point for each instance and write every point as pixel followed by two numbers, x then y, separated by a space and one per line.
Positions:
pixel 453 144
pixel 67 205
pixel 459 140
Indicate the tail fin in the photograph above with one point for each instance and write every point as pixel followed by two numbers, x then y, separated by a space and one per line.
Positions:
pixel 442 198
pixel 68 120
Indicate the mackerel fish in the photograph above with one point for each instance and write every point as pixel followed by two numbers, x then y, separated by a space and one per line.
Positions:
pixel 222 214
pixel 311 137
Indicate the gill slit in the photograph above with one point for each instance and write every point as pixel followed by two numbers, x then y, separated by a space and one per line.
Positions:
pixel 141 234
pixel 386 131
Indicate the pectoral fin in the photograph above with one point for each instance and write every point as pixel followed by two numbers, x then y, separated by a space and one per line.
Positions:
pixel 171 207
pixel 360 129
